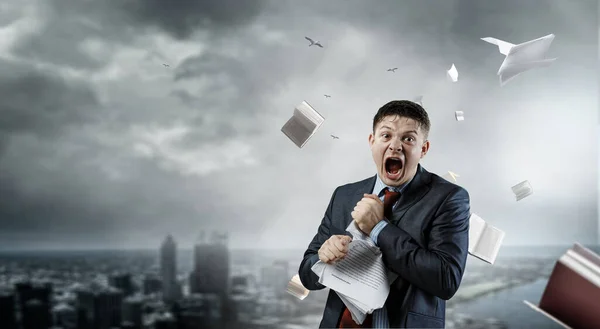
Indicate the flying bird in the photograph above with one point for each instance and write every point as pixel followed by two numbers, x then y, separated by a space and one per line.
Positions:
pixel 166 65
pixel 334 137
pixel 313 43
pixel 327 96
pixel 393 70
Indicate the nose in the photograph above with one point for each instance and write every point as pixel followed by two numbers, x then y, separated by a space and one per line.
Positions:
pixel 395 146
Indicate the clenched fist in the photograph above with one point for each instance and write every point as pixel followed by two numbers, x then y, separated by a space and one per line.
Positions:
pixel 368 212
pixel 335 248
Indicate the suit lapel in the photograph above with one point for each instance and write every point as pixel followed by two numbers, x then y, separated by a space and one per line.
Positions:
pixel 414 192
pixel 366 187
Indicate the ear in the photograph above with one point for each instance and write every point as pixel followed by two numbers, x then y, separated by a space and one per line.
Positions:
pixel 424 149
pixel 371 139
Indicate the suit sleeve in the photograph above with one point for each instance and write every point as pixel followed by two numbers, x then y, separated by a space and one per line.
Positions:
pixel 437 269
pixel 308 278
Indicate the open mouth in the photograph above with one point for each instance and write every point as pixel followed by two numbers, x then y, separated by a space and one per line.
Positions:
pixel 393 165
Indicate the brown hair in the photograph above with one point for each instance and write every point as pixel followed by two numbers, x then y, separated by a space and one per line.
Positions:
pixel 405 109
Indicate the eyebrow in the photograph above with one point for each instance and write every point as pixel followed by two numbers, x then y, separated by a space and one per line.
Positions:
pixel 406 132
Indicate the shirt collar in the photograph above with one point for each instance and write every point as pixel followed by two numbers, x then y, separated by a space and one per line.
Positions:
pixel 380 186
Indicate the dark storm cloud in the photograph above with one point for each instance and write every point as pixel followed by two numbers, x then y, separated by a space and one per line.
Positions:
pixel 68 23
pixel 59 181
pixel 65 25
pixel 237 89
pixel 59 184
pixel 181 18
pixel 449 29
pixel 42 102
pixel 70 194
pixel 58 44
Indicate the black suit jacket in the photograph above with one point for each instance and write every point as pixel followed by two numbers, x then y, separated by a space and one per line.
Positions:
pixel 426 245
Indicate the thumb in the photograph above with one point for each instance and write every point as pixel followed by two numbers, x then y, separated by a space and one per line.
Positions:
pixel 372 196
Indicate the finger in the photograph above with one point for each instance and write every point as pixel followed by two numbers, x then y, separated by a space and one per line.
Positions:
pixel 341 245
pixel 345 241
pixel 356 215
pixel 372 197
pixel 347 238
pixel 338 253
pixel 337 237
pixel 322 257
pixel 371 200
pixel 329 256
pixel 357 211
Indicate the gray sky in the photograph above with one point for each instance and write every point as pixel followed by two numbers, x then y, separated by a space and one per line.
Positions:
pixel 103 146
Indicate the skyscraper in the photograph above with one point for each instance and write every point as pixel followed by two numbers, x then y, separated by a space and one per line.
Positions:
pixel 123 282
pixel 275 277
pixel 168 269
pixel 38 311
pixel 7 310
pixel 99 307
pixel 132 311
pixel 211 266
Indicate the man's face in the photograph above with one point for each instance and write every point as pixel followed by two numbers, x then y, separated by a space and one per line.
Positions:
pixel 398 144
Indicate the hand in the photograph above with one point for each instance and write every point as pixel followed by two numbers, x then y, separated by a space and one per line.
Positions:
pixel 335 248
pixel 368 212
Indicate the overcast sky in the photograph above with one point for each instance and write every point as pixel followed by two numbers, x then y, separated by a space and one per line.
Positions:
pixel 103 146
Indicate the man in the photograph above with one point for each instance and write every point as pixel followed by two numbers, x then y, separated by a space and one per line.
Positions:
pixel 422 231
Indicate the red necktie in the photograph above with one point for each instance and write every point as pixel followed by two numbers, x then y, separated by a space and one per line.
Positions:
pixel 388 202
pixel 347 322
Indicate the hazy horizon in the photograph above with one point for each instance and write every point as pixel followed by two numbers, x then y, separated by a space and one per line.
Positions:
pixel 190 249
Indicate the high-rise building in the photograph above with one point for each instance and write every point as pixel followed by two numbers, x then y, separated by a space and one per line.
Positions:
pixel 123 282
pixel 35 315
pixel 65 316
pixel 132 311
pixel 83 319
pixel 8 311
pixel 40 309
pixel 165 322
pixel 168 269
pixel 129 325
pixel 275 278
pixel 211 266
pixel 200 311
pixel 102 308
pixel 240 284
pixel 151 284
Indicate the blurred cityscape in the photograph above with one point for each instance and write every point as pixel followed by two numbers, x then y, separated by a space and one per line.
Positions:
pixel 211 286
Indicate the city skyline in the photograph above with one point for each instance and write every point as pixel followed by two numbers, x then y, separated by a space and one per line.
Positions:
pixel 126 123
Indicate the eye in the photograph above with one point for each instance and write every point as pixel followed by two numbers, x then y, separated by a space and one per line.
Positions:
pixel 409 139
pixel 385 135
